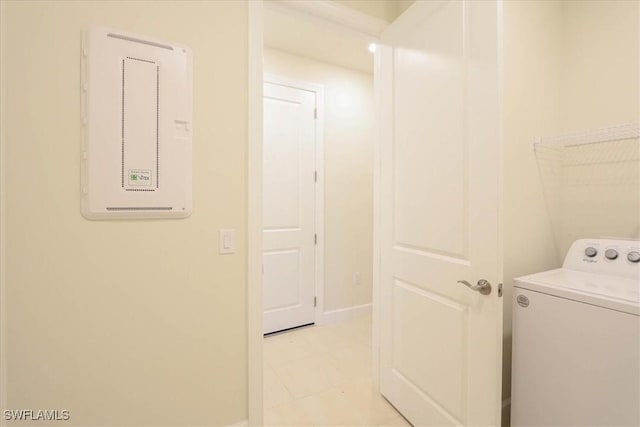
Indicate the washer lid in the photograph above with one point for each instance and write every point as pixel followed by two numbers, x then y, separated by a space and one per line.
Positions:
pixel 604 290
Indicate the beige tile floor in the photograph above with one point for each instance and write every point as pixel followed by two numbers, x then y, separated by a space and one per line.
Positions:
pixel 321 376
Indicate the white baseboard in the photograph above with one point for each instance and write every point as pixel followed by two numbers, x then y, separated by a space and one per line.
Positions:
pixel 244 423
pixel 342 314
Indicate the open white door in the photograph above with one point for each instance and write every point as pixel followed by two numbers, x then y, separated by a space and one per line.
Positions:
pixel 438 93
pixel 288 207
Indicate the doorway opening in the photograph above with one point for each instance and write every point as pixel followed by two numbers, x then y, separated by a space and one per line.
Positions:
pixel 302 48
pixel 329 45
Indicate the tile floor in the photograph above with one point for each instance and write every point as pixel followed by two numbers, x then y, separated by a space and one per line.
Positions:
pixel 321 376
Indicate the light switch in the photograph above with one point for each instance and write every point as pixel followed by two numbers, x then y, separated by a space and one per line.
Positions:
pixel 227 241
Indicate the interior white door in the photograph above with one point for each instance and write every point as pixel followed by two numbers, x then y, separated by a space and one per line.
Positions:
pixel 438 86
pixel 288 207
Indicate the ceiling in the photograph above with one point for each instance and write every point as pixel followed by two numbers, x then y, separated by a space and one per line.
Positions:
pixel 318 38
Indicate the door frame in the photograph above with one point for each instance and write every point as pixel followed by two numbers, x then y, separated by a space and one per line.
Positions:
pixel 255 82
pixel 255 14
pixel 318 259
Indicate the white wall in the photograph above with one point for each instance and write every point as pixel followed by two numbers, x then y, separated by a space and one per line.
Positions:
pixel 122 322
pixel 348 157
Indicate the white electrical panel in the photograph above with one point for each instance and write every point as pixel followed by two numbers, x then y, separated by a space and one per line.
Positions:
pixel 137 129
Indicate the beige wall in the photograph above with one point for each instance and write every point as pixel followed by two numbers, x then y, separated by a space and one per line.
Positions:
pixel 600 89
pixel 348 165
pixel 123 322
pixel 531 107
pixel 600 82
pixel 568 66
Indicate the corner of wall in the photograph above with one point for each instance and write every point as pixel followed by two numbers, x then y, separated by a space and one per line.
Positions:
pixel 3 298
pixel 254 215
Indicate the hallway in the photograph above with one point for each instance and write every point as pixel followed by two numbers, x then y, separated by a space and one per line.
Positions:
pixel 321 375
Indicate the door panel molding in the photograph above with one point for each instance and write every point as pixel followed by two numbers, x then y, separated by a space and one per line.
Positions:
pixel 435 315
pixel 286 298
pixel 433 253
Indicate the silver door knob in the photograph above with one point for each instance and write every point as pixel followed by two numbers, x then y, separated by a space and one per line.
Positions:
pixel 483 286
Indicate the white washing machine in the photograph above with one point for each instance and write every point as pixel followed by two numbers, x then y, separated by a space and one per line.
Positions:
pixel 576 339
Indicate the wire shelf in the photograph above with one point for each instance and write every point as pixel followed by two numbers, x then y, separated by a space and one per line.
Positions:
pixel 591 182
pixel 595 136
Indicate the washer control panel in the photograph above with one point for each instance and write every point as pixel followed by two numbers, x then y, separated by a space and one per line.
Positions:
pixel 610 256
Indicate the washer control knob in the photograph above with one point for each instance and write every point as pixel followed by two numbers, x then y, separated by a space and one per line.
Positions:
pixel 611 254
pixel 591 252
pixel 633 256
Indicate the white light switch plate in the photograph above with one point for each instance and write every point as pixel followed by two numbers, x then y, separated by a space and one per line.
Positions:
pixel 227 241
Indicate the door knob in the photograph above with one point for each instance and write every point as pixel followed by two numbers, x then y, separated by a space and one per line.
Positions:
pixel 483 286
